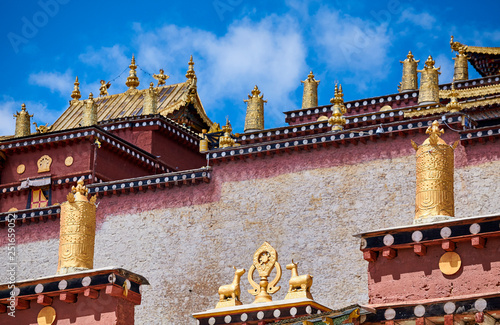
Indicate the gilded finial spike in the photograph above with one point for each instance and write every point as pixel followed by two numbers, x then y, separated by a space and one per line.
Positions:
pixel 75 94
pixel 226 140
pixel 132 79
pixel 254 119
pixel 453 106
pixel 435 168
pixel 23 122
pixel 77 231
pixel 190 74
pixel 337 120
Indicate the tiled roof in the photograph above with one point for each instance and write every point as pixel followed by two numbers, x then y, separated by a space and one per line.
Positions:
pixel 130 103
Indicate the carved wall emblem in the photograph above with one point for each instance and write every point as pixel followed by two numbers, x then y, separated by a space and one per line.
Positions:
pixel 44 164
pixel 21 168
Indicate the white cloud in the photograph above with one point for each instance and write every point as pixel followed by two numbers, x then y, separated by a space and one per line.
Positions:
pixel 55 81
pixel 9 106
pixel 108 58
pixel 423 20
pixel 351 44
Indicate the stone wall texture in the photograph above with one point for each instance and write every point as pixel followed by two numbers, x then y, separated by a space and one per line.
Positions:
pixel 307 205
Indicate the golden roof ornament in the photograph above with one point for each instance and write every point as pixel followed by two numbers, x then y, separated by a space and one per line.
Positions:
pixel 150 101
pixel 229 294
pixel 429 83
pixel 254 119
pixel 461 66
pixel 23 122
pixel 410 78
pixel 103 89
pixel 434 199
pixel 310 96
pixel 457 46
pixel 299 285
pixel 453 106
pixel 161 77
pixel 77 231
pixel 132 80
pixel 89 116
pixel 265 259
pixel 42 128
pixel 190 74
pixel 75 94
pixel 203 141
pixel 226 140
pixel 337 120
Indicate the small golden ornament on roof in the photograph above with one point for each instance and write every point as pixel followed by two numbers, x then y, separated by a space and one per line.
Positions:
pixel 254 119
pixel 410 78
pixel 299 285
pixel 161 77
pixel 337 120
pixel 190 74
pixel 229 294
pixel 103 90
pixel 75 94
pixel 23 122
pixel 132 80
pixel 310 95
pixel 453 106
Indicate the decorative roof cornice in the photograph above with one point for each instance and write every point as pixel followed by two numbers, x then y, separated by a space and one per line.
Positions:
pixel 471 92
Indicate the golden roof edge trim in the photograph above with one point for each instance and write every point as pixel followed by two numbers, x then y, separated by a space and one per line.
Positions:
pixel 471 92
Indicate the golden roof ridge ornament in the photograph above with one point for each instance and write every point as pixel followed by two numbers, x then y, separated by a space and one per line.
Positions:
pixel 77 231
pixel 226 140
pixel 23 122
pixel 75 94
pixel 161 77
pixel 190 74
pixel 265 259
pixel 89 116
pixel 299 285
pixel 103 89
pixel 337 120
pixel 461 66
pixel 310 95
pixel 150 101
pixel 453 106
pixel 434 200
pixel 132 80
pixel 254 119
pixel 229 294
pixel 429 83
pixel 410 78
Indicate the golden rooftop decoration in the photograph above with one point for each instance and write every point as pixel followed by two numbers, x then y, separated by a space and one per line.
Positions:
pixel 410 79
pixel 44 164
pixel 190 74
pixel 23 122
pixel 453 106
pixel 435 167
pixel 254 120
pixel 89 117
pixel 42 128
pixel 461 67
pixel 203 141
pixel 265 260
pixel 456 46
pixel 429 83
pixel 161 77
pixel 226 140
pixel 229 294
pixel 481 91
pixel 310 96
pixel 299 285
pixel 132 80
pixel 150 101
pixel 77 231
pixel 75 94
pixel 103 90
pixel 337 120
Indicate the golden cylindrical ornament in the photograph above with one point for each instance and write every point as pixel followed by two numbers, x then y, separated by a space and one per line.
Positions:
pixel 429 83
pixel 23 122
pixel 254 120
pixel 461 67
pixel 435 169
pixel 310 95
pixel 410 79
pixel 77 232
pixel 89 117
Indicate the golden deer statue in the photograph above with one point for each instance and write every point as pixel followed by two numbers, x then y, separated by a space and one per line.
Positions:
pixel 229 294
pixel 299 284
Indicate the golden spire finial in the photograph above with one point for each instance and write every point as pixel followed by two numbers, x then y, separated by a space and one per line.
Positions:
pixel 310 95
pixel 23 122
pixel 226 140
pixel 75 94
pixel 254 119
pixel 461 66
pixel 161 77
pixel 150 101
pixel 429 83
pixel 132 80
pixel 77 231
pixel 453 106
pixel 337 120
pixel 89 117
pixel 435 167
pixel 410 79
pixel 265 259
pixel 190 74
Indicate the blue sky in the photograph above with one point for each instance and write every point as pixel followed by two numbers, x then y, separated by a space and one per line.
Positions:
pixel 236 44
